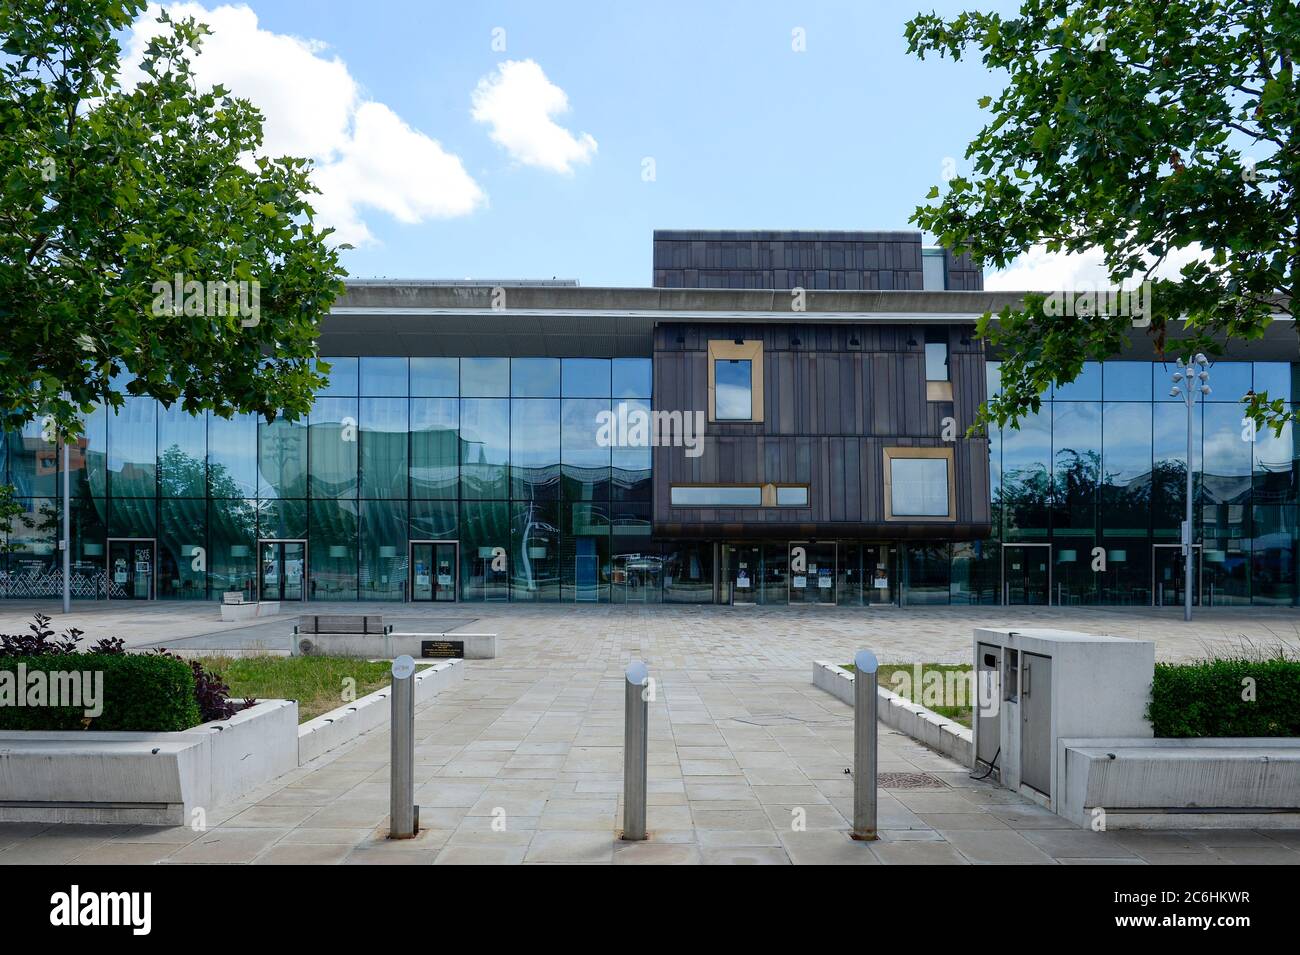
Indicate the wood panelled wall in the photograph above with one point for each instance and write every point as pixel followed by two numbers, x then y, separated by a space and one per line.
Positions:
pixel 831 407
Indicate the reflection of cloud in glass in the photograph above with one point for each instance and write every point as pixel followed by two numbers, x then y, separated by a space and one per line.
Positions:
pixel 920 487
pixel 1126 450
pixel 1274 453
pixel 732 390
pixel 1077 441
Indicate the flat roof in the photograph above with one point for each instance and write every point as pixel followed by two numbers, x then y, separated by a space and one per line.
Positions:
pixel 434 317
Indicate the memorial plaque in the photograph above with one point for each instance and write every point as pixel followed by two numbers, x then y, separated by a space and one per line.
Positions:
pixel 443 649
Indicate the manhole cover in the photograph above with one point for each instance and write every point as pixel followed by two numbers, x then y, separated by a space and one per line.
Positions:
pixel 908 781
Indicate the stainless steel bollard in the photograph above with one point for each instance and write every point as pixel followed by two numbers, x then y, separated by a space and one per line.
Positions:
pixel 404 814
pixel 865 702
pixel 636 728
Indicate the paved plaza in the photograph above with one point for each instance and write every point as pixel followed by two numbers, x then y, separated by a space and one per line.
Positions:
pixel 522 762
pixel 675 636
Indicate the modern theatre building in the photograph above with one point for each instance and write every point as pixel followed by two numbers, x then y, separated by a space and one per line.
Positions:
pixel 780 419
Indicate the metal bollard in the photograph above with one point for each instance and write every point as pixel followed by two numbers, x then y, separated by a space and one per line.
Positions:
pixel 865 701
pixel 403 813
pixel 636 726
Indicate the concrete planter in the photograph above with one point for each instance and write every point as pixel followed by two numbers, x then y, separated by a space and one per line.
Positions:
pixel 336 727
pixel 149 778
pixel 160 779
pixel 923 725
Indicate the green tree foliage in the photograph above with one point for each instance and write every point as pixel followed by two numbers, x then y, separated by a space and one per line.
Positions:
pixel 1140 128
pixel 106 191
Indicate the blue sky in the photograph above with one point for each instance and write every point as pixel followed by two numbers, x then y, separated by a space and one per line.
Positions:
pixel 743 131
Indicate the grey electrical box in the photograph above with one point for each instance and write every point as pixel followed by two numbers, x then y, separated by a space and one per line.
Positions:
pixel 988 675
pixel 1036 721
pixel 1050 685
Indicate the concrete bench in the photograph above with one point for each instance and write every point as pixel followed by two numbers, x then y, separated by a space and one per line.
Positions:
pixel 241 609
pixel 342 635
pixel 1181 783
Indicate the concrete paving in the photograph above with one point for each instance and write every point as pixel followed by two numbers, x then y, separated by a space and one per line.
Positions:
pixel 522 763
pixel 682 636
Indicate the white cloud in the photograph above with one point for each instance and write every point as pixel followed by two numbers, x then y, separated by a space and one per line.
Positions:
pixel 367 157
pixel 517 101
pixel 1041 271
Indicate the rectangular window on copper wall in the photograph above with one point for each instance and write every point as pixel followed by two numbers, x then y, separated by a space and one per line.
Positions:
pixel 919 484
pixel 734 384
pixel 735 380
pixel 936 354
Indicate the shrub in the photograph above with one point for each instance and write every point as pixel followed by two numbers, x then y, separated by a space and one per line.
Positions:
pixel 41 640
pixel 1226 697
pixel 138 693
pixel 210 692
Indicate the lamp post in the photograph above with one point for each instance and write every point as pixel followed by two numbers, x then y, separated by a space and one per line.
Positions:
pixel 1191 379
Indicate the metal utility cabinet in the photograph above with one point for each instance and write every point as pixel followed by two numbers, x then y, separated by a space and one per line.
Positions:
pixel 1036 687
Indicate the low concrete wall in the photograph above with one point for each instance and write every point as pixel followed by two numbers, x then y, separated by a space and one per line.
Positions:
pixel 252 747
pixel 150 778
pixel 1242 783
pixel 336 727
pixel 938 732
pixel 478 646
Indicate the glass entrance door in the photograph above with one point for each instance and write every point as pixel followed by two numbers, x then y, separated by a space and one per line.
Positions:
pixel 1169 575
pixel 812 573
pixel 639 575
pixel 879 586
pixel 283 569
pixel 1026 574
pixel 131 569
pixel 743 567
pixel 433 571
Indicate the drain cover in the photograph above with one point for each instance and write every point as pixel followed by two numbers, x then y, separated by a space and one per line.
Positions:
pixel 909 781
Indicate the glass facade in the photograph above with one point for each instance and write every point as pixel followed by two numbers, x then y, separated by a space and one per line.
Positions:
pixel 1099 476
pixel 484 479
pixel 496 459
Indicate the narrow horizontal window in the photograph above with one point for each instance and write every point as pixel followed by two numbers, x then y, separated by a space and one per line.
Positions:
pixel 791 497
pixel 702 496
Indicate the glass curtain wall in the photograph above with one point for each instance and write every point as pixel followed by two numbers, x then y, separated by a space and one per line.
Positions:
pixel 507 457
pixel 1110 494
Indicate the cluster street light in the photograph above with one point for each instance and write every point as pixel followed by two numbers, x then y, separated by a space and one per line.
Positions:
pixel 1190 380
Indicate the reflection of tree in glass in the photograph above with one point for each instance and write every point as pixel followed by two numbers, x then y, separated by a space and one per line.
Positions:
pixel 9 511
pixel 1075 481
pixel 1024 496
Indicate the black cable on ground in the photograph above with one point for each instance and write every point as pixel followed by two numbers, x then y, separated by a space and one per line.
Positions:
pixel 991 765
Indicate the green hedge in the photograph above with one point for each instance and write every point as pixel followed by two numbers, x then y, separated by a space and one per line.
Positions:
pixel 1205 698
pixel 140 692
